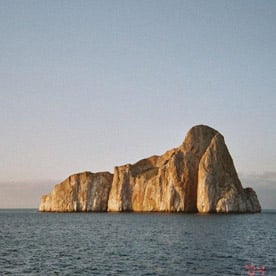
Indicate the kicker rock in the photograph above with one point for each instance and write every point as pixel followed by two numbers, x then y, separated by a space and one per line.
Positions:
pixel 80 192
pixel 198 176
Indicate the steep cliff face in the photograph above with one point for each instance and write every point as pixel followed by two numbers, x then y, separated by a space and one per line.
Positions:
pixel 198 176
pixel 80 192
pixel 219 188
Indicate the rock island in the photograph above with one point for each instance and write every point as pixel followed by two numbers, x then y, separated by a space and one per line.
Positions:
pixel 197 177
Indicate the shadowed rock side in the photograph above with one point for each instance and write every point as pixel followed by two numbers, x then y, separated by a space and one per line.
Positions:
pixel 198 176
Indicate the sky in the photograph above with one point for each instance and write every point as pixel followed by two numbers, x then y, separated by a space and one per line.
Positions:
pixel 89 85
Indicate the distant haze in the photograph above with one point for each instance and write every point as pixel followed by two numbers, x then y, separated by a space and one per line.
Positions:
pixel 87 85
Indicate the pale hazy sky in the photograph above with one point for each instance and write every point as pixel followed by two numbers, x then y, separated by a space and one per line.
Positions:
pixel 87 85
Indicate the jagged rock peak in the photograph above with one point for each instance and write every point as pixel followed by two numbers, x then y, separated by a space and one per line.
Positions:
pixel 198 176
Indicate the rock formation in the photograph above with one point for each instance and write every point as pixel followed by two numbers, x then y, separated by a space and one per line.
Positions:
pixel 198 176
pixel 80 192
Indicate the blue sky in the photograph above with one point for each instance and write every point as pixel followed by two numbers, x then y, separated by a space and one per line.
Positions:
pixel 87 85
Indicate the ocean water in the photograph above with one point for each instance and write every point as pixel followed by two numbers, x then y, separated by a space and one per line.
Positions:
pixel 33 243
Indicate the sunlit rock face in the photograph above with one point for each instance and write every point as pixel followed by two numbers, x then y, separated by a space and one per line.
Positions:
pixel 80 192
pixel 219 188
pixel 198 176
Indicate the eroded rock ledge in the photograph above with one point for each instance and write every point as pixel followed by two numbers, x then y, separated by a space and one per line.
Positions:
pixel 198 176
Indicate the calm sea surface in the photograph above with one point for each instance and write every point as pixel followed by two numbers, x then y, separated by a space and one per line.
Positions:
pixel 33 243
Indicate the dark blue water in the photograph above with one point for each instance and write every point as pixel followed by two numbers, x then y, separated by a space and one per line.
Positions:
pixel 135 244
